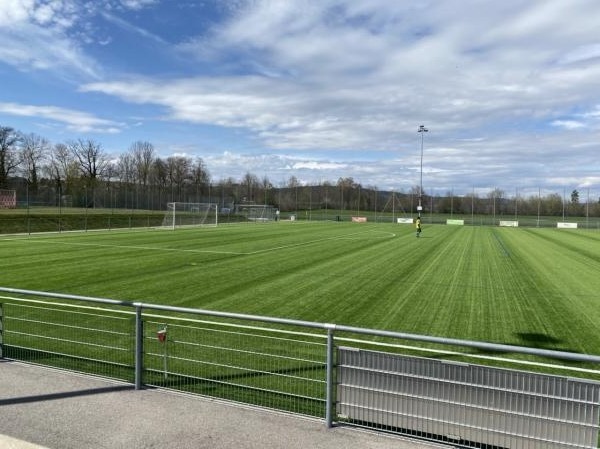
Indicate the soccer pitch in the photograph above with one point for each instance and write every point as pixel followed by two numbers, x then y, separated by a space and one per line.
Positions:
pixel 521 286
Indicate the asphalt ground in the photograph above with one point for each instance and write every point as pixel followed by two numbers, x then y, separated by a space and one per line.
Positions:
pixel 54 409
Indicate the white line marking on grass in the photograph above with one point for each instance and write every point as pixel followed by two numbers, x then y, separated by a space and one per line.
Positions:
pixel 351 236
pixel 311 242
pixel 148 248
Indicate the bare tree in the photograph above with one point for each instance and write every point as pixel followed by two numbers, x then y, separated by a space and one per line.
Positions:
pixel 126 169
pixel 125 172
pixel 200 176
pixel 347 188
pixel 92 162
pixel 496 198
pixel 553 204
pixel 9 156
pixel 228 190
pixel 415 191
pixel 470 203
pixel 293 182
pixel 143 157
pixel 250 183
pixel 33 151
pixel 159 173
pixel 91 158
pixel 178 172
pixel 62 168
pixel 267 187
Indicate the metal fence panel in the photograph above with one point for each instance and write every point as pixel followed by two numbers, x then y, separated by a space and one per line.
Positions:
pixel 468 404
pixel 79 338
pixel 255 365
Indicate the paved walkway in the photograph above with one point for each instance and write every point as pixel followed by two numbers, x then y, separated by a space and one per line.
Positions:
pixel 46 408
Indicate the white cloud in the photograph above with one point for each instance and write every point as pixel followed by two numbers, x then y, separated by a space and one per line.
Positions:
pixel 59 14
pixel 130 27
pixel 138 4
pixel 582 53
pixel 49 35
pixel 319 165
pixel 501 85
pixel 594 113
pixel 377 60
pixel 14 12
pixel 568 124
pixel 35 37
pixel 362 75
pixel 76 121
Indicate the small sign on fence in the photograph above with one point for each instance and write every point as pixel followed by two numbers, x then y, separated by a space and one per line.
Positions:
pixel 162 335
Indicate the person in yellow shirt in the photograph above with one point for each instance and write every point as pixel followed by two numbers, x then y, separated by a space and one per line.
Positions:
pixel 418 226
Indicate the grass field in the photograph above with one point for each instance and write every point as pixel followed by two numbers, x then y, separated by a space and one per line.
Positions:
pixel 531 287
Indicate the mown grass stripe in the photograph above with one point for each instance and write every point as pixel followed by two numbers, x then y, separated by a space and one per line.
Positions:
pixel 454 281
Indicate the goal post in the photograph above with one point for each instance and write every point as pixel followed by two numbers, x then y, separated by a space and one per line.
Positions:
pixel 8 199
pixel 190 214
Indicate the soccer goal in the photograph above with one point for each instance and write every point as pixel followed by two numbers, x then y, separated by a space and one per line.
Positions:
pixel 8 198
pixel 257 212
pixel 190 214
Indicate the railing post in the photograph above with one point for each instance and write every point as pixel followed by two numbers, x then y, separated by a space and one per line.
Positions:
pixel 330 396
pixel 139 346
pixel 1 329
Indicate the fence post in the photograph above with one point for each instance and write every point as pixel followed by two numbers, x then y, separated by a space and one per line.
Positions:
pixel 329 396
pixel 1 328
pixel 139 346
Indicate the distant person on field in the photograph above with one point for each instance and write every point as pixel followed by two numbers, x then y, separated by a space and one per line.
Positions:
pixel 418 226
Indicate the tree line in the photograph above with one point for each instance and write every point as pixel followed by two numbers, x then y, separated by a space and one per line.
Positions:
pixel 80 173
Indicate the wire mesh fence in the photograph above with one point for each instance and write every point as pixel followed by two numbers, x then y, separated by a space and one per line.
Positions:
pixel 297 367
pixel 80 338
pixel 273 368
pixel 265 367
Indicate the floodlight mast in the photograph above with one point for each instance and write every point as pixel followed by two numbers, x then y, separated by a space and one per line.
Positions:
pixel 421 130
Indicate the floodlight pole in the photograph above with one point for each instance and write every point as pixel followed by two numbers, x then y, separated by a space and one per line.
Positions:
pixel 421 130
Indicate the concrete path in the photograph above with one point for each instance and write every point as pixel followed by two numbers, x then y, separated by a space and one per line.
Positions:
pixel 47 408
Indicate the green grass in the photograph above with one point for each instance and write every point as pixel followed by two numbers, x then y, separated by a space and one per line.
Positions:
pixel 46 219
pixel 529 287
pixel 533 287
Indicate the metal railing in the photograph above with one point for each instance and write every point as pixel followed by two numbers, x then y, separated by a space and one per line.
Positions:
pixel 292 365
pixel 224 355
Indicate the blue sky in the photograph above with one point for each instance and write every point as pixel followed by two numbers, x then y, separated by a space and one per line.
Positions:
pixel 509 90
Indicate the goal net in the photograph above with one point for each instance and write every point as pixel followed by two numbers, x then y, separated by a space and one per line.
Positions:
pixel 190 214
pixel 257 212
pixel 8 198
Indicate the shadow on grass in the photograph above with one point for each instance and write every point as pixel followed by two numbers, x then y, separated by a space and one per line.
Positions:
pixel 528 340
pixel 538 340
